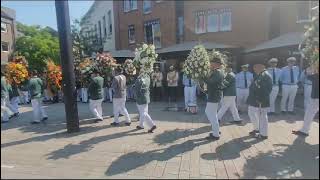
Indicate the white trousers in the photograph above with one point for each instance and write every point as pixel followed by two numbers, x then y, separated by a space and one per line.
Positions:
pixel 242 96
pixel 144 116
pixel 95 108
pixel 84 94
pixel 105 94
pixel 25 97
pixel 211 112
pixel 288 92
pixel 229 102
pixel 307 94
pixel 311 111
pixel 38 110
pixel 273 97
pixel 79 94
pixel 5 111
pixel 15 104
pixel 119 106
pixel 259 119
pixel 110 94
pixel 190 97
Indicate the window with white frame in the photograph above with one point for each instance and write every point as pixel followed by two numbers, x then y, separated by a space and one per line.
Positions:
pixel 129 5
pixel 152 33
pixel 146 6
pixel 213 21
pixel 4 27
pixel 131 34
pixel 225 19
pixel 304 11
pixel 4 46
pixel 109 22
pixel 200 22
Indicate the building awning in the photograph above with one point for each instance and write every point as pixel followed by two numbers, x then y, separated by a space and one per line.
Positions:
pixel 122 53
pixel 289 39
pixel 187 46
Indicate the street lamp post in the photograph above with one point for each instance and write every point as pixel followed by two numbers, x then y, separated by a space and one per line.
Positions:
pixel 69 87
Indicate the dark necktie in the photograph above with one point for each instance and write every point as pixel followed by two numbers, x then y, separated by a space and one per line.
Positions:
pixel 291 75
pixel 245 80
pixel 274 76
pixel 190 82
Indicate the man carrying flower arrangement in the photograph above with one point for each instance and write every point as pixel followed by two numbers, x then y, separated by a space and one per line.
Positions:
pixel 95 91
pixel 36 90
pixel 142 93
pixel 214 86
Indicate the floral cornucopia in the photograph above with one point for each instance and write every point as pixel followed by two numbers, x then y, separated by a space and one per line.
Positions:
pixel 145 57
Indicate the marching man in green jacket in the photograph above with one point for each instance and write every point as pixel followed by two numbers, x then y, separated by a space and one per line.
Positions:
pixel 229 96
pixel 259 101
pixel 36 90
pixel 142 93
pixel 95 91
pixel 4 99
pixel 214 86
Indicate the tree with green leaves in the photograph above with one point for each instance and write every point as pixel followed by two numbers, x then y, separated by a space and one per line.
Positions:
pixel 37 45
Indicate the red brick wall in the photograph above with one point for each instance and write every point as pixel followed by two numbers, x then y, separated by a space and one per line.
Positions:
pixel 165 11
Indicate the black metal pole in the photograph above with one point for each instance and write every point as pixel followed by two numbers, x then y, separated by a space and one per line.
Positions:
pixel 69 86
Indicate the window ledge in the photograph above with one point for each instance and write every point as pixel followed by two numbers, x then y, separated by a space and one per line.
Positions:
pixel 130 11
pixel 145 13
pixel 131 43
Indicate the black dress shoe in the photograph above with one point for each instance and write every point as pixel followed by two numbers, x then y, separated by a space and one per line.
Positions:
pixel 128 123
pixel 212 137
pixel 261 137
pixel 292 113
pixel 151 130
pixel 35 122
pixel 98 120
pixel 114 124
pixel 138 127
pixel 254 132
pixel 299 133
pixel 283 112
pixel 236 122
pixel 45 118
pixel 16 114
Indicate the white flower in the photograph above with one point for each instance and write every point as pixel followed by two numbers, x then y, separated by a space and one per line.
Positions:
pixel 152 47
pixel 144 46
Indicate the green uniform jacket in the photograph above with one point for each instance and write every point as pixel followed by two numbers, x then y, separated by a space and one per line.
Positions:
pixel 24 85
pixel 229 85
pixel 4 88
pixel 36 87
pixel 13 91
pixel 141 89
pixel 215 85
pixel 260 90
pixel 95 88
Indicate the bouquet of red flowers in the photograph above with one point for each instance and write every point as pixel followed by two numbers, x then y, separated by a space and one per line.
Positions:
pixel 54 76
pixel 104 63
pixel 17 70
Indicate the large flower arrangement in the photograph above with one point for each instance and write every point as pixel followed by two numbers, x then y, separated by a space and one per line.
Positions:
pixel 104 63
pixel 145 57
pixel 85 68
pixel 21 60
pixel 197 64
pixel 16 73
pixel 54 76
pixel 311 41
pixel 129 67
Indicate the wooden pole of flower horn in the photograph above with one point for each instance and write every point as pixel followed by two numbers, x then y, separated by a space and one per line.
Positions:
pixel 68 82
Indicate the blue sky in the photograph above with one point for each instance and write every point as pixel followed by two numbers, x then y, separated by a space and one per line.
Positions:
pixel 43 13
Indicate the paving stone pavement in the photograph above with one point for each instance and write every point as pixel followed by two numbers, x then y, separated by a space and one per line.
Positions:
pixel 177 148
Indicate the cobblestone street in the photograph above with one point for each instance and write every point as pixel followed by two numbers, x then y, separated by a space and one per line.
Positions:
pixel 177 148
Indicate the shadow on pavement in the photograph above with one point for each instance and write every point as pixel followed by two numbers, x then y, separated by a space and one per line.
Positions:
pixel 286 163
pixel 136 159
pixel 87 145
